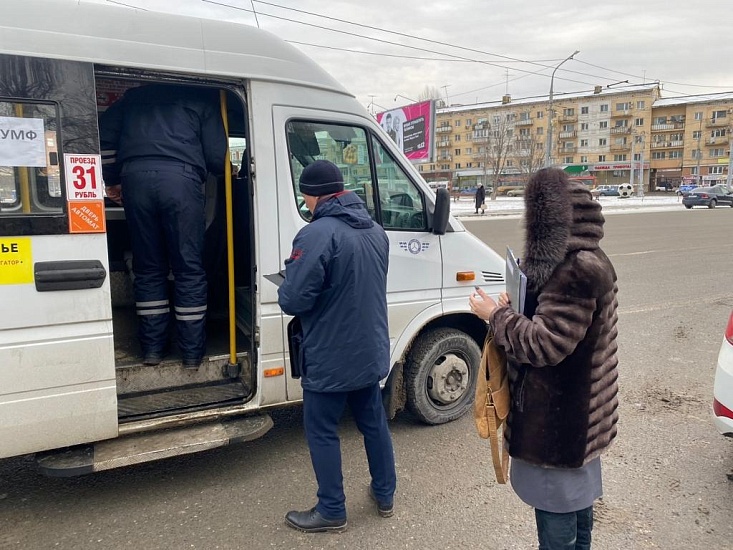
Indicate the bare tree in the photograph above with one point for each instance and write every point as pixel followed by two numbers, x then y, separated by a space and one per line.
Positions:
pixel 495 145
pixel 430 92
pixel 530 154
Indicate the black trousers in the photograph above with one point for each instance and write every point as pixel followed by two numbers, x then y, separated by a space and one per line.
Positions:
pixel 322 412
pixel 164 207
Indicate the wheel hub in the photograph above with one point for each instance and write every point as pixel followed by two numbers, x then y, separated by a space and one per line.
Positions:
pixel 448 380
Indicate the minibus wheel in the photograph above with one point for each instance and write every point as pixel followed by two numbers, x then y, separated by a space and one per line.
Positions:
pixel 441 375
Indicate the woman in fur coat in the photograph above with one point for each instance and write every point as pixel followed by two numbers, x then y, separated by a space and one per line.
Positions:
pixel 562 360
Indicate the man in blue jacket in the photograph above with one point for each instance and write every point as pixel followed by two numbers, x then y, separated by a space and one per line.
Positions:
pixel 336 283
pixel 158 144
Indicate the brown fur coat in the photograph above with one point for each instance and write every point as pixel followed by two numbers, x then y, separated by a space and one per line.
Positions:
pixel 562 351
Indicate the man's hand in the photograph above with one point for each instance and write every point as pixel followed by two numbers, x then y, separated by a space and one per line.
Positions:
pixel 114 193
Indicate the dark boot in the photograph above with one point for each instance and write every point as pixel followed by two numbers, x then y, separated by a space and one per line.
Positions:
pixel 311 521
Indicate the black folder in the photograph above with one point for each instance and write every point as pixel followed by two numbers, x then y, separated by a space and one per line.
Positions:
pixel 295 342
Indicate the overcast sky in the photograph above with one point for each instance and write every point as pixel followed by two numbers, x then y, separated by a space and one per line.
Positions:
pixel 481 49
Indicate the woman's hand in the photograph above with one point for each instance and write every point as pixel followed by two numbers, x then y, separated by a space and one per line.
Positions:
pixel 504 299
pixel 482 305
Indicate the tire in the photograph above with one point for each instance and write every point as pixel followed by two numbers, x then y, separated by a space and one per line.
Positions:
pixel 688 206
pixel 712 203
pixel 441 375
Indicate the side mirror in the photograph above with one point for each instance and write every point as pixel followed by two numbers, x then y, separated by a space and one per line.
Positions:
pixel 442 211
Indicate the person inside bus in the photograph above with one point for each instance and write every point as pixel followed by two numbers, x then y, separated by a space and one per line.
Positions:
pixel 158 143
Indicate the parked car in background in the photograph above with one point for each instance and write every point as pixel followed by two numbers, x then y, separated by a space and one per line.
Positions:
pixel 608 190
pixel 685 189
pixel 504 189
pixel 515 192
pixel 723 385
pixel 708 196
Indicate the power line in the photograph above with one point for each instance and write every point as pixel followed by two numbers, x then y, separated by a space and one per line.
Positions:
pixel 410 36
pixel 379 54
pixel 490 86
pixel 483 62
pixel 667 81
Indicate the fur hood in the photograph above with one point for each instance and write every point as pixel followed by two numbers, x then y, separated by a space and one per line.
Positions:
pixel 561 217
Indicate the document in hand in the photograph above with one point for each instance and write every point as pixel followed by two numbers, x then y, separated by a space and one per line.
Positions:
pixel 516 281
pixel 277 278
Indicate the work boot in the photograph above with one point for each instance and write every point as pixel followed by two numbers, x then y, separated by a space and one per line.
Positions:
pixel 191 363
pixel 311 521
pixel 384 509
pixel 152 359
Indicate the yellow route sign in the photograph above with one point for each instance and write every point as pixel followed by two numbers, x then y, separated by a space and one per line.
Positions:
pixel 16 261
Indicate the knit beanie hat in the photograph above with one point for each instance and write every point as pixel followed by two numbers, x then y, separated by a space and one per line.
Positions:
pixel 321 178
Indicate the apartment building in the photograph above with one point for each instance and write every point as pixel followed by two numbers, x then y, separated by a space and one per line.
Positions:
pixel 691 139
pixel 616 134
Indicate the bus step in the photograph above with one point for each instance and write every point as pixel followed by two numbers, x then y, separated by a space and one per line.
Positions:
pixel 148 446
pixel 151 404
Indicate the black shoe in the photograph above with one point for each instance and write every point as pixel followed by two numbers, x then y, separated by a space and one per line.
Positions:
pixel 311 521
pixel 386 510
pixel 191 363
pixel 152 359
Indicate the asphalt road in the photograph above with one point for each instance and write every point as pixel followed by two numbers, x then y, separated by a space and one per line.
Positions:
pixel 665 478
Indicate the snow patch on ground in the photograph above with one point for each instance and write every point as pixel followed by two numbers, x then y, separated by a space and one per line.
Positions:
pixel 514 206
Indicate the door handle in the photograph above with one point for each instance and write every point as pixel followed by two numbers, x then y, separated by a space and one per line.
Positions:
pixel 68 275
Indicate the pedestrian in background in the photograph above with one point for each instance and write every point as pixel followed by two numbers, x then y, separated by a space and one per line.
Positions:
pixel 158 143
pixel 562 360
pixel 336 283
pixel 480 198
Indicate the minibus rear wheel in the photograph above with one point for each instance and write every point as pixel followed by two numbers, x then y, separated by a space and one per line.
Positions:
pixel 441 375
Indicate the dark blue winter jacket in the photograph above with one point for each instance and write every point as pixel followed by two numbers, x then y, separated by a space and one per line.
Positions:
pixel 163 122
pixel 336 283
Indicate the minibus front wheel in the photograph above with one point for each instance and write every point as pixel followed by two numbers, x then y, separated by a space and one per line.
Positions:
pixel 441 375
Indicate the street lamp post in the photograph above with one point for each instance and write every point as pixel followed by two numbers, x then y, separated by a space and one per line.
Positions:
pixel 404 97
pixel 548 153
pixel 698 178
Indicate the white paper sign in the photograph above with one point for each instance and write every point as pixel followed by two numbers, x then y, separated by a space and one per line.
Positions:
pixel 83 177
pixel 22 142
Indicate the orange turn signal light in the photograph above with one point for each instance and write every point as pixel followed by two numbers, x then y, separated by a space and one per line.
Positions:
pixel 278 371
pixel 465 276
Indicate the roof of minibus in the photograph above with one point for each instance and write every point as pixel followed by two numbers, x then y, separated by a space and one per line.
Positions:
pixel 113 35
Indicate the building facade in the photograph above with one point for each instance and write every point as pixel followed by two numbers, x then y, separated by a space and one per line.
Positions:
pixel 627 135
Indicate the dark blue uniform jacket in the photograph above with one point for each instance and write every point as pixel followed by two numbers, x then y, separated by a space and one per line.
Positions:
pixel 166 123
pixel 336 282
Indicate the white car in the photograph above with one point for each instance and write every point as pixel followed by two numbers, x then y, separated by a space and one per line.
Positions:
pixel 723 387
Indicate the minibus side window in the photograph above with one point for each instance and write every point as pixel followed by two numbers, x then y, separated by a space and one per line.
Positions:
pixel 400 200
pixel 345 146
pixel 30 175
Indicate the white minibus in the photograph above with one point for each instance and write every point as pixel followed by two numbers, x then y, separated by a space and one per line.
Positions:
pixel 73 389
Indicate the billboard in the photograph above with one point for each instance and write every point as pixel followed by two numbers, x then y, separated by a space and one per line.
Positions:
pixel 412 128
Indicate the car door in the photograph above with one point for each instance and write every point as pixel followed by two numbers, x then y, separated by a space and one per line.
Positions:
pixel 724 196
pixel 371 170
pixel 57 378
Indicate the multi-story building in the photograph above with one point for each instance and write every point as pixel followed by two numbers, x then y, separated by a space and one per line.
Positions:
pixel 615 134
pixel 691 139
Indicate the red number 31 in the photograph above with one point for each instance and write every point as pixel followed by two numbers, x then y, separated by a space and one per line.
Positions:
pixel 81 181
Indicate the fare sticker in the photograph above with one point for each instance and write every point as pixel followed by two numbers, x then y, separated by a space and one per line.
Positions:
pixel 16 261
pixel 83 177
